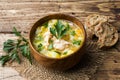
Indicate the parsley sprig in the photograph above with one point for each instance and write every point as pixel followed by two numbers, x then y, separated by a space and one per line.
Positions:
pixel 60 30
pixel 13 48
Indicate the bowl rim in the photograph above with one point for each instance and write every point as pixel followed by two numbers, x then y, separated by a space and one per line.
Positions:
pixel 57 14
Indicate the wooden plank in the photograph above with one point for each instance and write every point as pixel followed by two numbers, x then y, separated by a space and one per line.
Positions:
pixel 37 0
pixel 23 15
pixel 7 73
pixel 29 5
pixel 100 7
pixel 110 69
pixel 53 0
pixel 24 23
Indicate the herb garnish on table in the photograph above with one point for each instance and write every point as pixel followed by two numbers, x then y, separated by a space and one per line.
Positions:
pixel 14 48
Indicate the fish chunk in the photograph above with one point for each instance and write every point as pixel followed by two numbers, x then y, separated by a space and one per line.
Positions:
pixel 60 44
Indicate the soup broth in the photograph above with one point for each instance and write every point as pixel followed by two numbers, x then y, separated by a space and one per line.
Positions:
pixel 58 38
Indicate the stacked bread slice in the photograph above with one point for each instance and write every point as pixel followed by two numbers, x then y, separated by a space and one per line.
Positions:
pixel 100 27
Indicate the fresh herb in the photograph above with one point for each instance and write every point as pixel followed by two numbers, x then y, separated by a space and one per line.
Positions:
pixel 65 53
pixel 39 38
pixel 14 47
pixel 72 33
pixel 21 38
pixel 50 45
pixel 40 47
pixel 8 45
pixel 60 30
pixel 76 42
pixel 57 52
pixel 53 32
pixel 14 56
pixel 4 59
pixel 16 32
pixel 45 24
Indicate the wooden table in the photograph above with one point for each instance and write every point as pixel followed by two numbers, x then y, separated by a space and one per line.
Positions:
pixel 24 13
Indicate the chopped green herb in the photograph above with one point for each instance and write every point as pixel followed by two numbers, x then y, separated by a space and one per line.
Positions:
pixel 51 41
pixel 51 45
pixel 57 52
pixel 76 42
pixel 72 33
pixel 40 47
pixel 40 38
pixel 45 24
pixel 65 53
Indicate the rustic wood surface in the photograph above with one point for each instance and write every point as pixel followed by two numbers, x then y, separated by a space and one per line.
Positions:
pixel 24 13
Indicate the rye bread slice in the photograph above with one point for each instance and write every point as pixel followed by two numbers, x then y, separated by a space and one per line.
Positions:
pixel 107 34
pixel 95 19
pixel 99 26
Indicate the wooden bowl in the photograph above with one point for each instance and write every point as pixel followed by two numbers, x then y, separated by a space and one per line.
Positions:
pixel 57 63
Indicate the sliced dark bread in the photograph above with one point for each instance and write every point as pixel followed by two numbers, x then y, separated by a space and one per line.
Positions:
pixel 99 26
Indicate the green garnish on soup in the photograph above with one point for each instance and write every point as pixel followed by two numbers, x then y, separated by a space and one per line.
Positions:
pixel 58 38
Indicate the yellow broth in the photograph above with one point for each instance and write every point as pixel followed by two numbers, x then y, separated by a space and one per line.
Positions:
pixel 58 38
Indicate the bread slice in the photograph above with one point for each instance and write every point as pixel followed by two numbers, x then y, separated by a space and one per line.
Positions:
pixel 99 26
pixel 95 19
pixel 107 34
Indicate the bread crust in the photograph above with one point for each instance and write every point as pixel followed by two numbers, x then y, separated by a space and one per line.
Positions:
pixel 99 26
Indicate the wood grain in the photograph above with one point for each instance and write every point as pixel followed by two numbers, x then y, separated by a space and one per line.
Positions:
pixel 24 13
pixel 110 70
pixel 5 75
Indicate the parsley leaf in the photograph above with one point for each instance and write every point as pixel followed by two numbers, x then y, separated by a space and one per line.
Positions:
pixel 40 47
pixel 76 42
pixel 53 31
pixel 50 45
pixel 60 30
pixel 8 45
pixel 65 53
pixel 16 32
pixel 14 47
pixel 15 56
pixel 4 59
pixel 45 24
pixel 72 33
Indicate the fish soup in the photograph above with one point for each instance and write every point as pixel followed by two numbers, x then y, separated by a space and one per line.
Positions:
pixel 58 38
